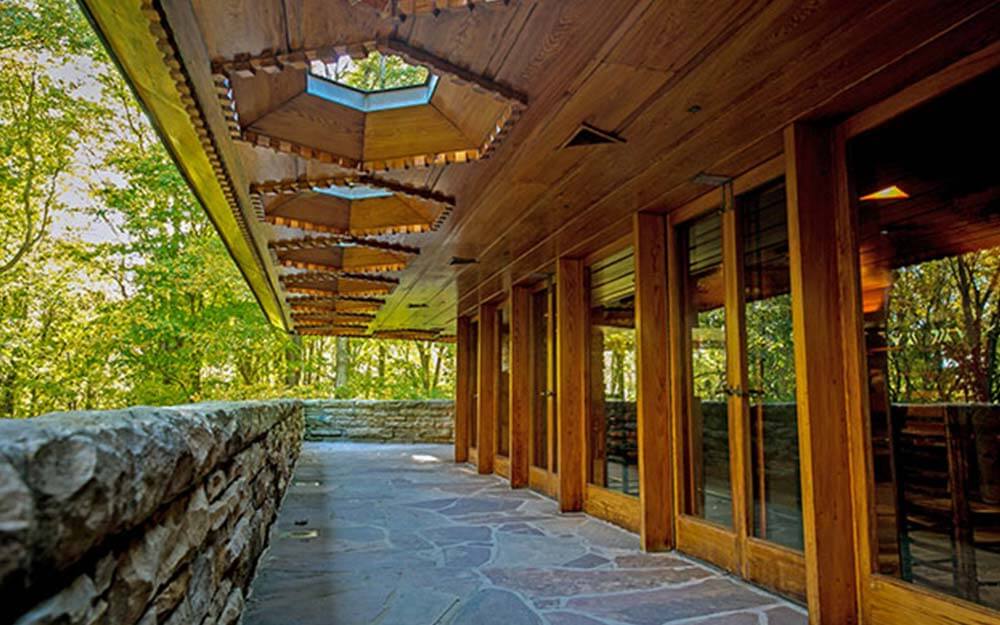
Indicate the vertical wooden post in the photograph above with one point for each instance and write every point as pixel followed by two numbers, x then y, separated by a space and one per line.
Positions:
pixel 571 340
pixel 463 394
pixel 520 385
pixel 736 372
pixel 653 368
pixel 814 218
pixel 489 374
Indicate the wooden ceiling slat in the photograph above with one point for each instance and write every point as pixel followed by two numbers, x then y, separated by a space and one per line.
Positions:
pixel 637 67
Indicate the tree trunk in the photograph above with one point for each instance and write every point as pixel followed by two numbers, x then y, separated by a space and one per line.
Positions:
pixel 343 361
pixel 293 362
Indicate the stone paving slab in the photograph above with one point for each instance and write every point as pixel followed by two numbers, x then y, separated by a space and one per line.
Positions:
pixel 399 535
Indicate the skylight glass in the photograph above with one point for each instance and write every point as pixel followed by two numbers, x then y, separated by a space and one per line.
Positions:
pixel 372 74
pixel 356 192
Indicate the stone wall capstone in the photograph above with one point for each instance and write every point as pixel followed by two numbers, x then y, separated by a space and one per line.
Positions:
pixel 144 515
pixel 405 421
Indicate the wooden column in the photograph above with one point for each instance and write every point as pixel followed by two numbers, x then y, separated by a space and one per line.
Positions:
pixel 463 394
pixel 489 374
pixel 653 371
pixel 571 382
pixel 520 385
pixel 815 219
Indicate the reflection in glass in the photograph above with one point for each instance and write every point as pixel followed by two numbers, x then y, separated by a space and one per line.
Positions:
pixel 474 384
pixel 613 445
pixel 930 277
pixel 774 449
pixel 708 493
pixel 503 392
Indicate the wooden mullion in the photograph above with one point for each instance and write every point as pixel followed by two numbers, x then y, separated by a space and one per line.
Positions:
pixel 736 371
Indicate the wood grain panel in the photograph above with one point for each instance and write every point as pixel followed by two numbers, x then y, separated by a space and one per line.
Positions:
pixel 707 541
pixel 489 373
pixel 777 568
pixel 653 370
pixel 571 383
pixel 825 458
pixel 520 385
pixel 896 603
pixel 613 507
pixel 411 131
pixel 501 466
pixel 312 121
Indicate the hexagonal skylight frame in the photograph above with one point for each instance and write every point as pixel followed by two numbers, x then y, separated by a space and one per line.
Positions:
pixel 275 101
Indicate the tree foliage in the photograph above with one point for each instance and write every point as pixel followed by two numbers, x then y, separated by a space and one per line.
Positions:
pixel 114 287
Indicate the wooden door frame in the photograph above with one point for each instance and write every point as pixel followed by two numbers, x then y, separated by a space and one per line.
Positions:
pixel 610 505
pixel 487 383
pixel 734 549
pixel 472 450
pixel 885 600
pixel 542 479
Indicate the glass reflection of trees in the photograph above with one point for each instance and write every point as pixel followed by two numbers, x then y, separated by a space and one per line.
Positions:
pixel 930 281
pixel 612 432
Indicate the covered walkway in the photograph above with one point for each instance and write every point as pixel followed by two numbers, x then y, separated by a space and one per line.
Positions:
pixel 398 534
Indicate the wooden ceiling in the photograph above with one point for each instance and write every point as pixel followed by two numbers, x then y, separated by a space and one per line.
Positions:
pixel 690 86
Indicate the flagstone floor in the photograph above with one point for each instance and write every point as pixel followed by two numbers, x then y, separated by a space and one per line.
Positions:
pixel 400 535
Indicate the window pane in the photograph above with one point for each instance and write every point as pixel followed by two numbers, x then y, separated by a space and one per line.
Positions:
pixel 503 393
pixel 774 449
pixel 708 492
pixel 928 200
pixel 613 447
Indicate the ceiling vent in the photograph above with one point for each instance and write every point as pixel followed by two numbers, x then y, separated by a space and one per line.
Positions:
pixel 588 135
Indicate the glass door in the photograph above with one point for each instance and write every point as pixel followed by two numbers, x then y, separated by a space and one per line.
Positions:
pixel 543 471
pixel 740 498
pixel 474 389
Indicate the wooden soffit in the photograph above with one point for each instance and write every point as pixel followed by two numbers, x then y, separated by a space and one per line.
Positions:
pixel 276 102
pixel 329 205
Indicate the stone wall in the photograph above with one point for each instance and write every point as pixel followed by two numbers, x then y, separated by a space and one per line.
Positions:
pixel 431 421
pixel 146 515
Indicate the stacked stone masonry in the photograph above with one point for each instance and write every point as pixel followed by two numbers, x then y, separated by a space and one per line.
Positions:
pixel 415 421
pixel 146 515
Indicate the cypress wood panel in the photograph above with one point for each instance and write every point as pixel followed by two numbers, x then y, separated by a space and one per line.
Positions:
pixel 614 507
pixel 520 386
pixel 489 374
pixel 652 364
pixel 571 329
pixel 463 394
pixel 819 353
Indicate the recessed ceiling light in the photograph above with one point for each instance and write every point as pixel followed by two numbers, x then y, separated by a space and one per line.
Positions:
pixel 888 193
